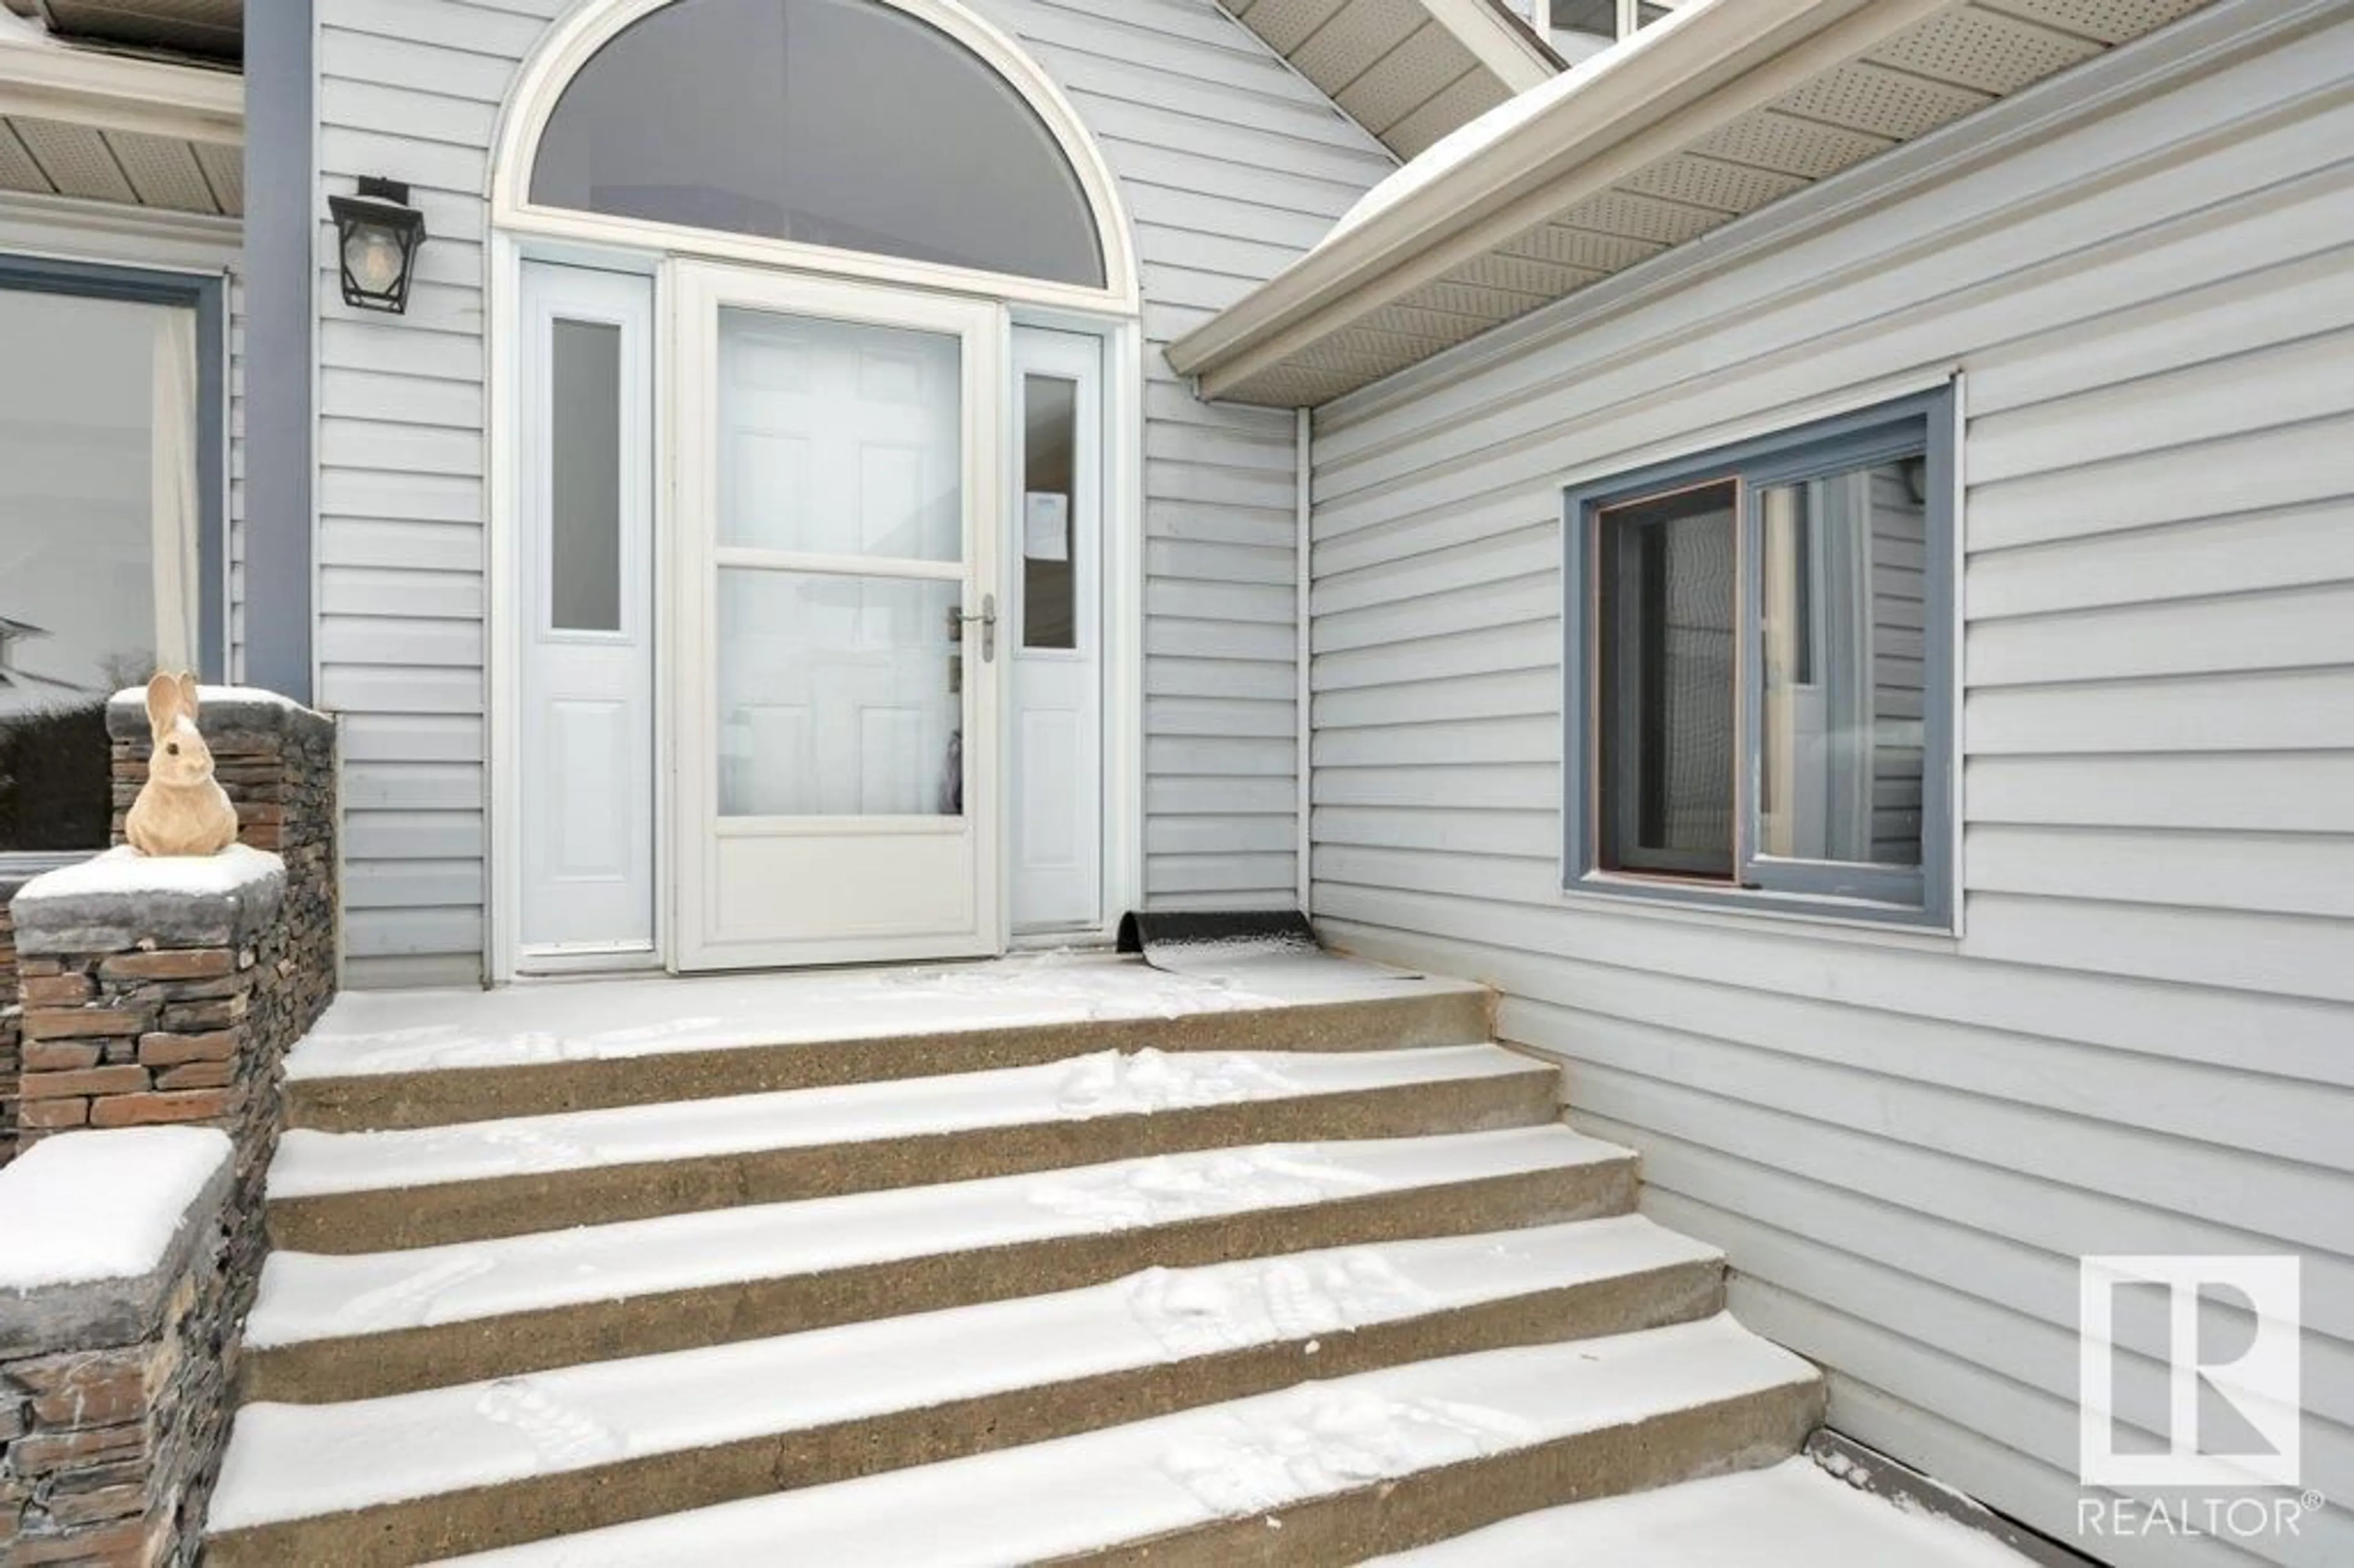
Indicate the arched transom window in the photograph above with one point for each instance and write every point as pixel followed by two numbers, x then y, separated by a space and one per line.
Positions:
pixel 847 123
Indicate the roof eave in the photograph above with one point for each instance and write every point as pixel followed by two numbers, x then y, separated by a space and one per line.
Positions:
pixel 1673 85
pixel 1498 40
pixel 121 93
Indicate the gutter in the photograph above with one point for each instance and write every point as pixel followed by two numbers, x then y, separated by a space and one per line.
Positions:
pixel 1643 100
pixel 121 92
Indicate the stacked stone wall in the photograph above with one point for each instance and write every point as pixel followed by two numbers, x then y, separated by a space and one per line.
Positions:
pixel 149 993
pixel 114 1403
pixel 10 1030
pixel 277 762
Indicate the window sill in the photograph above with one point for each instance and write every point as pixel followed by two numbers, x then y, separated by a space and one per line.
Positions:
pixel 1738 908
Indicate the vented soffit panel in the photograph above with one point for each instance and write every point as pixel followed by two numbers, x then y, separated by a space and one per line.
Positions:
pixel 1725 107
pixel 91 125
pixel 1409 71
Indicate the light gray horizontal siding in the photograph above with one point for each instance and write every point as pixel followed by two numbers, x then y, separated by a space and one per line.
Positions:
pixel 410 91
pixel 2141 1042
pixel 1231 165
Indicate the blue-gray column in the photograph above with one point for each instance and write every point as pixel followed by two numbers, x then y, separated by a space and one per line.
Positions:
pixel 280 190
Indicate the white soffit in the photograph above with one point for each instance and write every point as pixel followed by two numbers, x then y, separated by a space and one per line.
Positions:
pixel 94 126
pixel 1726 107
pixel 1407 70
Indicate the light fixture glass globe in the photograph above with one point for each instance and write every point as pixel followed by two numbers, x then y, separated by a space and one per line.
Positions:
pixel 374 259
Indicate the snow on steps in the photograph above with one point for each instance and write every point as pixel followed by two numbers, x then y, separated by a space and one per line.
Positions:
pixel 408 1059
pixel 401 1478
pixel 1328 1472
pixel 369 1191
pixel 331 1327
pixel 1790 1515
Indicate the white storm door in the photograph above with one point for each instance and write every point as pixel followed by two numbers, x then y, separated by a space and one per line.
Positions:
pixel 1056 632
pixel 837 521
pixel 586 835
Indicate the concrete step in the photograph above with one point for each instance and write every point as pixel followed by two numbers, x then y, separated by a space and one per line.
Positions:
pixel 416 1475
pixel 1329 1472
pixel 1794 1513
pixel 409 1059
pixel 379 1192
pixel 330 1328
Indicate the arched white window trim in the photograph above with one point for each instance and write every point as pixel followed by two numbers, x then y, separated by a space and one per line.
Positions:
pixel 574 41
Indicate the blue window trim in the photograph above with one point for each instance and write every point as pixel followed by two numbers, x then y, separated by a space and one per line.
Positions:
pixel 1922 422
pixel 207 295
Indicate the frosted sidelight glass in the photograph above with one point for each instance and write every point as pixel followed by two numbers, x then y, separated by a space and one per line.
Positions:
pixel 585 477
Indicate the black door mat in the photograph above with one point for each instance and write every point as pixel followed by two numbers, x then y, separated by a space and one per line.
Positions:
pixel 1193 940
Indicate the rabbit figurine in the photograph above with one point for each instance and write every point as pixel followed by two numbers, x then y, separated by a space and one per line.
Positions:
pixel 181 810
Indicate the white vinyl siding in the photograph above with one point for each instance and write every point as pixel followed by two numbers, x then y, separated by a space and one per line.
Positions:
pixel 1231 165
pixel 2140 1041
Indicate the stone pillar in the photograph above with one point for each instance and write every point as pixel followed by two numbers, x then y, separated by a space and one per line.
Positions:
pixel 155 991
pixel 277 761
pixel 276 758
pixel 117 1346
pixel 161 991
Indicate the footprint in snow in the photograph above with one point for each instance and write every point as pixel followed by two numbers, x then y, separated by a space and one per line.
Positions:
pixel 1323 1439
pixel 563 1436
pixel 409 1301
pixel 1189 1314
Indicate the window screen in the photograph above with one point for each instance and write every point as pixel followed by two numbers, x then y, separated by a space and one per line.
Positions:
pixel 1667 605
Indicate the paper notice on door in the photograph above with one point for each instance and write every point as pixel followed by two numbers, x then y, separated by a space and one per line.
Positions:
pixel 1046 525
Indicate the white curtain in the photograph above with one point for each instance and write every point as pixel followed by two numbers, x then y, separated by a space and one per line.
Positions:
pixel 172 489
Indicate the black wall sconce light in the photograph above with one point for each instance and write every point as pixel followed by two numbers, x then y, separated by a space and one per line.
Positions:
pixel 377 234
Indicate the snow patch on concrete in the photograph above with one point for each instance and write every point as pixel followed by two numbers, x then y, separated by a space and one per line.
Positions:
pixel 1045 1502
pixel 291 1461
pixel 1330 1438
pixel 307 1296
pixel 1790 1515
pixel 1106 1082
pixel 367 1034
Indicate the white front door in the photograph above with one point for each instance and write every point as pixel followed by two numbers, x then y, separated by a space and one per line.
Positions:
pixel 585 492
pixel 1055 632
pixel 838 511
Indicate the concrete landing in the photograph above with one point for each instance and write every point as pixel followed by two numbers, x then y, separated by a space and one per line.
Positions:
pixel 366 1032
pixel 408 1059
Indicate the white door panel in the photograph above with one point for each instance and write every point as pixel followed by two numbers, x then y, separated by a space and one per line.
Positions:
pixel 837 511
pixel 586 498
pixel 1057 632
